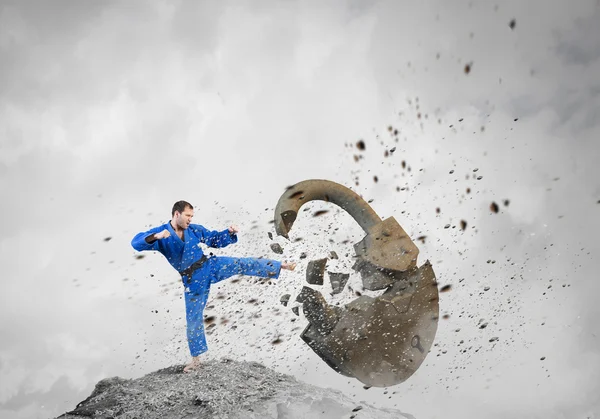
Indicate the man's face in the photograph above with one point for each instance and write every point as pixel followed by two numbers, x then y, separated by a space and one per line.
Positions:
pixel 184 218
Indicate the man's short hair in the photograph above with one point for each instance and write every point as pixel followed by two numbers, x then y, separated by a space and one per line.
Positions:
pixel 180 206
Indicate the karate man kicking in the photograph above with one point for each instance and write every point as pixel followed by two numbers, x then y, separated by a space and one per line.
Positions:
pixel 179 241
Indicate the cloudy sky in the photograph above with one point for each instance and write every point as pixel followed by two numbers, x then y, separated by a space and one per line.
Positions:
pixel 111 111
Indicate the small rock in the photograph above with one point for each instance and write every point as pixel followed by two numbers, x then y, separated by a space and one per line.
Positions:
pixel 338 281
pixel 315 271
pixel 285 299
pixel 276 247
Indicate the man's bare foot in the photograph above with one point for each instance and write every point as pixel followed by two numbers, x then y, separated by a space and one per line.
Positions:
pixel 193 366
pixel 290 266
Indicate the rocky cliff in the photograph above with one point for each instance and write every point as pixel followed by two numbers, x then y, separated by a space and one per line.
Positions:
pixel 221 389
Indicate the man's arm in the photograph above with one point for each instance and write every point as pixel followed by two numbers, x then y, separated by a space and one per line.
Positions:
pixel 214 238
pixel 146 240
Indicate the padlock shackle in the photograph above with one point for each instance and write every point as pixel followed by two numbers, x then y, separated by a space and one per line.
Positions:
pixel 299 194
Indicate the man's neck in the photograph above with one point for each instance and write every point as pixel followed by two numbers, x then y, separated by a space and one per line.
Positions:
pixel 176 227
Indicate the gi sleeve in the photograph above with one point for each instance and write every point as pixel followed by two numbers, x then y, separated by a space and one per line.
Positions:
pixel 213 238
pixel 145 241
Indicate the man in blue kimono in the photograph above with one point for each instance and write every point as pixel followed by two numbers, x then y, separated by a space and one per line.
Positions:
pixel 179 241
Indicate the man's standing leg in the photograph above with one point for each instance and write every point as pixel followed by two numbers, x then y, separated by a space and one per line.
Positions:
pixel 194 313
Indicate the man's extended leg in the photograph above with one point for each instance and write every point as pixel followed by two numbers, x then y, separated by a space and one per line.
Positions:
pixel 194 313
pixel 225 267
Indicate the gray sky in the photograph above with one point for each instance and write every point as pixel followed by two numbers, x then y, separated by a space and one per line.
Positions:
pixel 111 111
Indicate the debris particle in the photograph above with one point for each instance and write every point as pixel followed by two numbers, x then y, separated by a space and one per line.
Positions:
pixel 285 299
pixel 295 310
pixel 338 281
pixel 270 235
pixel 468 190
pixel 494 207
pixel 303 255
pixel 512 24
pixel 360 145
pixel 276 247
pixel 463 225
pixel 140 256
pixel 422 238
pixel 333 255
pixel 542 358
pixel 494 339
pixel 437 210
pixel 506 202
pixel 315 271
pixel 320 212
pixel 446 288
pixel 467 68
pixel 393 149
pixel 106 239
pixel 276 341
pixel 209 319
pixel 446 316
pixel 375 179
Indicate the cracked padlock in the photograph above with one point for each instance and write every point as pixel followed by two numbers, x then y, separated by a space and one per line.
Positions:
pixel 380 341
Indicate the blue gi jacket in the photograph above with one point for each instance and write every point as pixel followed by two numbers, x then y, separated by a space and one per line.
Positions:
pixel 182 253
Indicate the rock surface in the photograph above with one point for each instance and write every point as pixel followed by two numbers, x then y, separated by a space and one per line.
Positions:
pixel 221 389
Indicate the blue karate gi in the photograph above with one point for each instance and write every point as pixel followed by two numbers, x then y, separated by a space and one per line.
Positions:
pixel 182 253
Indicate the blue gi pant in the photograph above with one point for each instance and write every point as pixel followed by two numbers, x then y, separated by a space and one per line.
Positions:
pixel 216 269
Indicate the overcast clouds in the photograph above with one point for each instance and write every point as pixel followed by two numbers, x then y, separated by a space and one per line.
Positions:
pixel 111 111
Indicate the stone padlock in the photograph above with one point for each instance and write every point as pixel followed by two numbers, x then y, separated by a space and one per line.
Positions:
pixel 380 341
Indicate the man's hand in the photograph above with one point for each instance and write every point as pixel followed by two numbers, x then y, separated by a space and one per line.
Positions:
pixel 162 235
pixel 233 229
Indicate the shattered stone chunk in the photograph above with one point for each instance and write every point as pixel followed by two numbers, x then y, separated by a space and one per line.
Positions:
pixel 295 310
pixel 285 299
pixel 276 247
pixel 303 255
pixel 315 271
pixel 338 281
